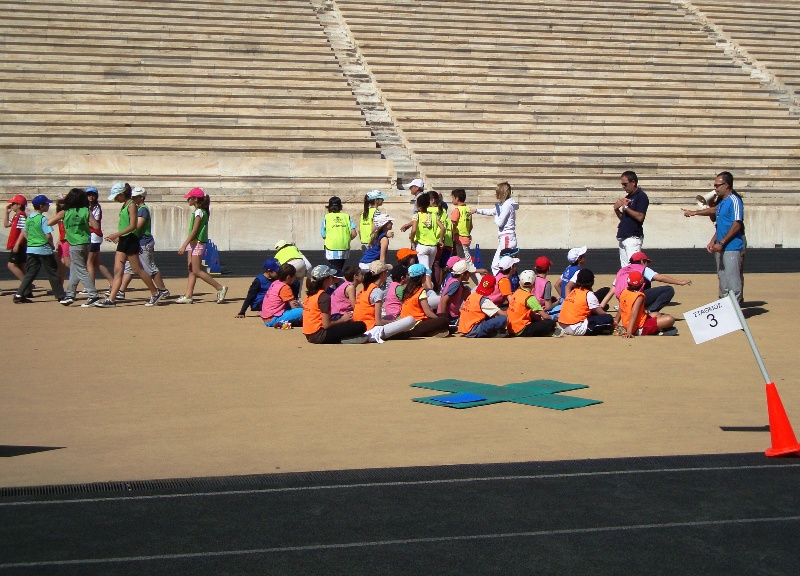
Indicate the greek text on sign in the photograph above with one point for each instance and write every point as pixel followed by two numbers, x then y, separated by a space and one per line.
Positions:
pixel 712 320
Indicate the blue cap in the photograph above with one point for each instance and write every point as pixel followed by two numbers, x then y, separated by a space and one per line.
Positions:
pixel 39 200
pixel 376 195
pixel 418 270
pixel 272 264
pixel 91 190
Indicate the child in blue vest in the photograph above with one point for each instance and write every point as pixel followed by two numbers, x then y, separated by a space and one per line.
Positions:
pixel 259 286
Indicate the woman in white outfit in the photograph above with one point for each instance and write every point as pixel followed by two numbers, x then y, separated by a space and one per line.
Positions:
pixel 505 217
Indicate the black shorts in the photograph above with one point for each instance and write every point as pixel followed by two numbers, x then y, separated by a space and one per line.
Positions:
pixel 17 257
pixel 128 244
pixel 94 247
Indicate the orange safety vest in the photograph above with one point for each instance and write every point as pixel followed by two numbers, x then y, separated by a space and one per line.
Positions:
pixel 519 315
pixel 626 301
pixel 575 308
pixel 471 313
pixel 412 307
pixel 364 311
pixel 312 315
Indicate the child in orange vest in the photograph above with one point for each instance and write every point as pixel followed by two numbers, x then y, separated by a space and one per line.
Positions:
pixel 417 306
pixel 581 314
pixel 318 327
pixel 369 305
pixel 525 315
pixel 633 317
pixel 480 317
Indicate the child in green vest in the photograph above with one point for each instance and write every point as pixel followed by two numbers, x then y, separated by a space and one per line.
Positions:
pixel 147 245
pixel 39 237
pixel 75 214
pixel 196 242
pixel 338 229
pixel 426 231
pixel 373 200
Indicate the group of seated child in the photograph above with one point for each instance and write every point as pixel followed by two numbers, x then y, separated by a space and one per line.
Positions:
pixel 406 300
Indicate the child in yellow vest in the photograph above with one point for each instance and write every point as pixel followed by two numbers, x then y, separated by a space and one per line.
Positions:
pixel 337 231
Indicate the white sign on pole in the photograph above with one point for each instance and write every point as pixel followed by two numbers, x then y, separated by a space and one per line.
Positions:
pixel 713 320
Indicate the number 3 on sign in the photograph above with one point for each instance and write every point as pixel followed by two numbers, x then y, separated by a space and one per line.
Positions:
pixel 712 321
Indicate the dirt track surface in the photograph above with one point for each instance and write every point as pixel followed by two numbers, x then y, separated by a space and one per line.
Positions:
pixel 184 391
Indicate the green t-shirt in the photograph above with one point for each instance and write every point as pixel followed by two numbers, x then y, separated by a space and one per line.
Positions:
pixel 76 226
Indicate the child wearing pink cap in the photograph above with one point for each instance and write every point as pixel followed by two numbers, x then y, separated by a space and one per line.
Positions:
pixel 196 242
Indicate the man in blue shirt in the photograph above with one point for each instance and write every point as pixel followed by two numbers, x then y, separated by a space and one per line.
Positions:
pixel 728 243
pixel 631 212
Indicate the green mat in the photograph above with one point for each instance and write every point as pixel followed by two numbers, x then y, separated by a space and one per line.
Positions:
pixel 542 393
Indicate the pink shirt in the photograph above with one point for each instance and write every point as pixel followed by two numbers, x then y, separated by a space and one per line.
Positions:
pixel 275 300
pixel 391 303
pixel 340 303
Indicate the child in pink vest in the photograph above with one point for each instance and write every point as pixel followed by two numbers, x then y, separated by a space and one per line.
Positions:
pixel 393 303
pixel 343 299
pixel 454 291
pixel 280 308
pixel 542 288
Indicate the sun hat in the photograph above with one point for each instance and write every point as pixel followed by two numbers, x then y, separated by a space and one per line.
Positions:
pixel 272 264
pixel 322 271
pixel 640 257
pixel 527 278
pixel 195 193
pixel 635 279
pixel 39 200
pixel 405 253
pixel 506 262
pixel 116 190
pixel 418 270
pixel 543 263
pixel 382 220
pixel 486 285
pixel 18 199
pixel 462 266
pixel 451 261
pixel 377 267
pixel 415 182
pixel 375 195
pixel 139 191
pixel 575 253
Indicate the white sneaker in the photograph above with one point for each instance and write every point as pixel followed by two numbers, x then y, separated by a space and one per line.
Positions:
pixel 221 294
pixel 184 300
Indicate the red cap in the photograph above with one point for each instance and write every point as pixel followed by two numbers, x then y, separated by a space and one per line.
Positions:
pixel 19 199
pixel 543 263
pixel 640 257
pixel 486 285
pixel 195 193
pixel 635 279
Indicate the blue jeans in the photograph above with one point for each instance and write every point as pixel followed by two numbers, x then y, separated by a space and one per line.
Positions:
pixel 293 315
pixel 656 298
pixel 487 328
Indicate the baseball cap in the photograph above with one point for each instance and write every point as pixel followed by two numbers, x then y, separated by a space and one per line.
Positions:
pixel 640 257
pixel 377 267
pixel 334 202
pixel 116 190
pixel 39 200
pixel 322 271
pixel 542 263
pixel 195 193
pixel 418 270
pixel 405 253
pixel 272 264
pixel 635 279
pixel 281 243
pixel 451 261
pixel 462 266
pixel 527 278
pixel 575 253
pixel 507 262
pixel 585 277
pixel 486 285
pixel 18 199
pixel 90 190
pixel 139 191
pixel 382 220
pixel 376 195
pixel 415 182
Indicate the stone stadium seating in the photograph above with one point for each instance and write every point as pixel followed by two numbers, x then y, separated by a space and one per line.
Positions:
pixel 244 98
pixel 272 106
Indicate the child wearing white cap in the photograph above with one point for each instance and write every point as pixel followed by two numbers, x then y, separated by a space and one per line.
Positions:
pixel 576 258
pixel 373 200
pixel 525 315
pixel 378 245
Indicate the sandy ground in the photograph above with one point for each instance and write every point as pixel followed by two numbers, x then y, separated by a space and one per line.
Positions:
pixel 182 391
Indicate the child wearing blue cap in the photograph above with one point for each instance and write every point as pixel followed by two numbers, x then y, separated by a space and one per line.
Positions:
pixel 39 237
pixel 259 286
pixel 416 304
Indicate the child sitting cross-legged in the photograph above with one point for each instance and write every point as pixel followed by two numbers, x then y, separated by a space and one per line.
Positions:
pixel 634 319
pixel 525 315
pixel 280 308
pixel 369 305
pixel 480 317
pixel 581 314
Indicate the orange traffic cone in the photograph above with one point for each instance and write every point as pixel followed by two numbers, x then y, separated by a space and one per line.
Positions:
pixel 780 429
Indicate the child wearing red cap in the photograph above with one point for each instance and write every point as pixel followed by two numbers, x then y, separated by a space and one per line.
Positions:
pixel 480 317
pixel 15 220
pixel 542 288
pixel 632 316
